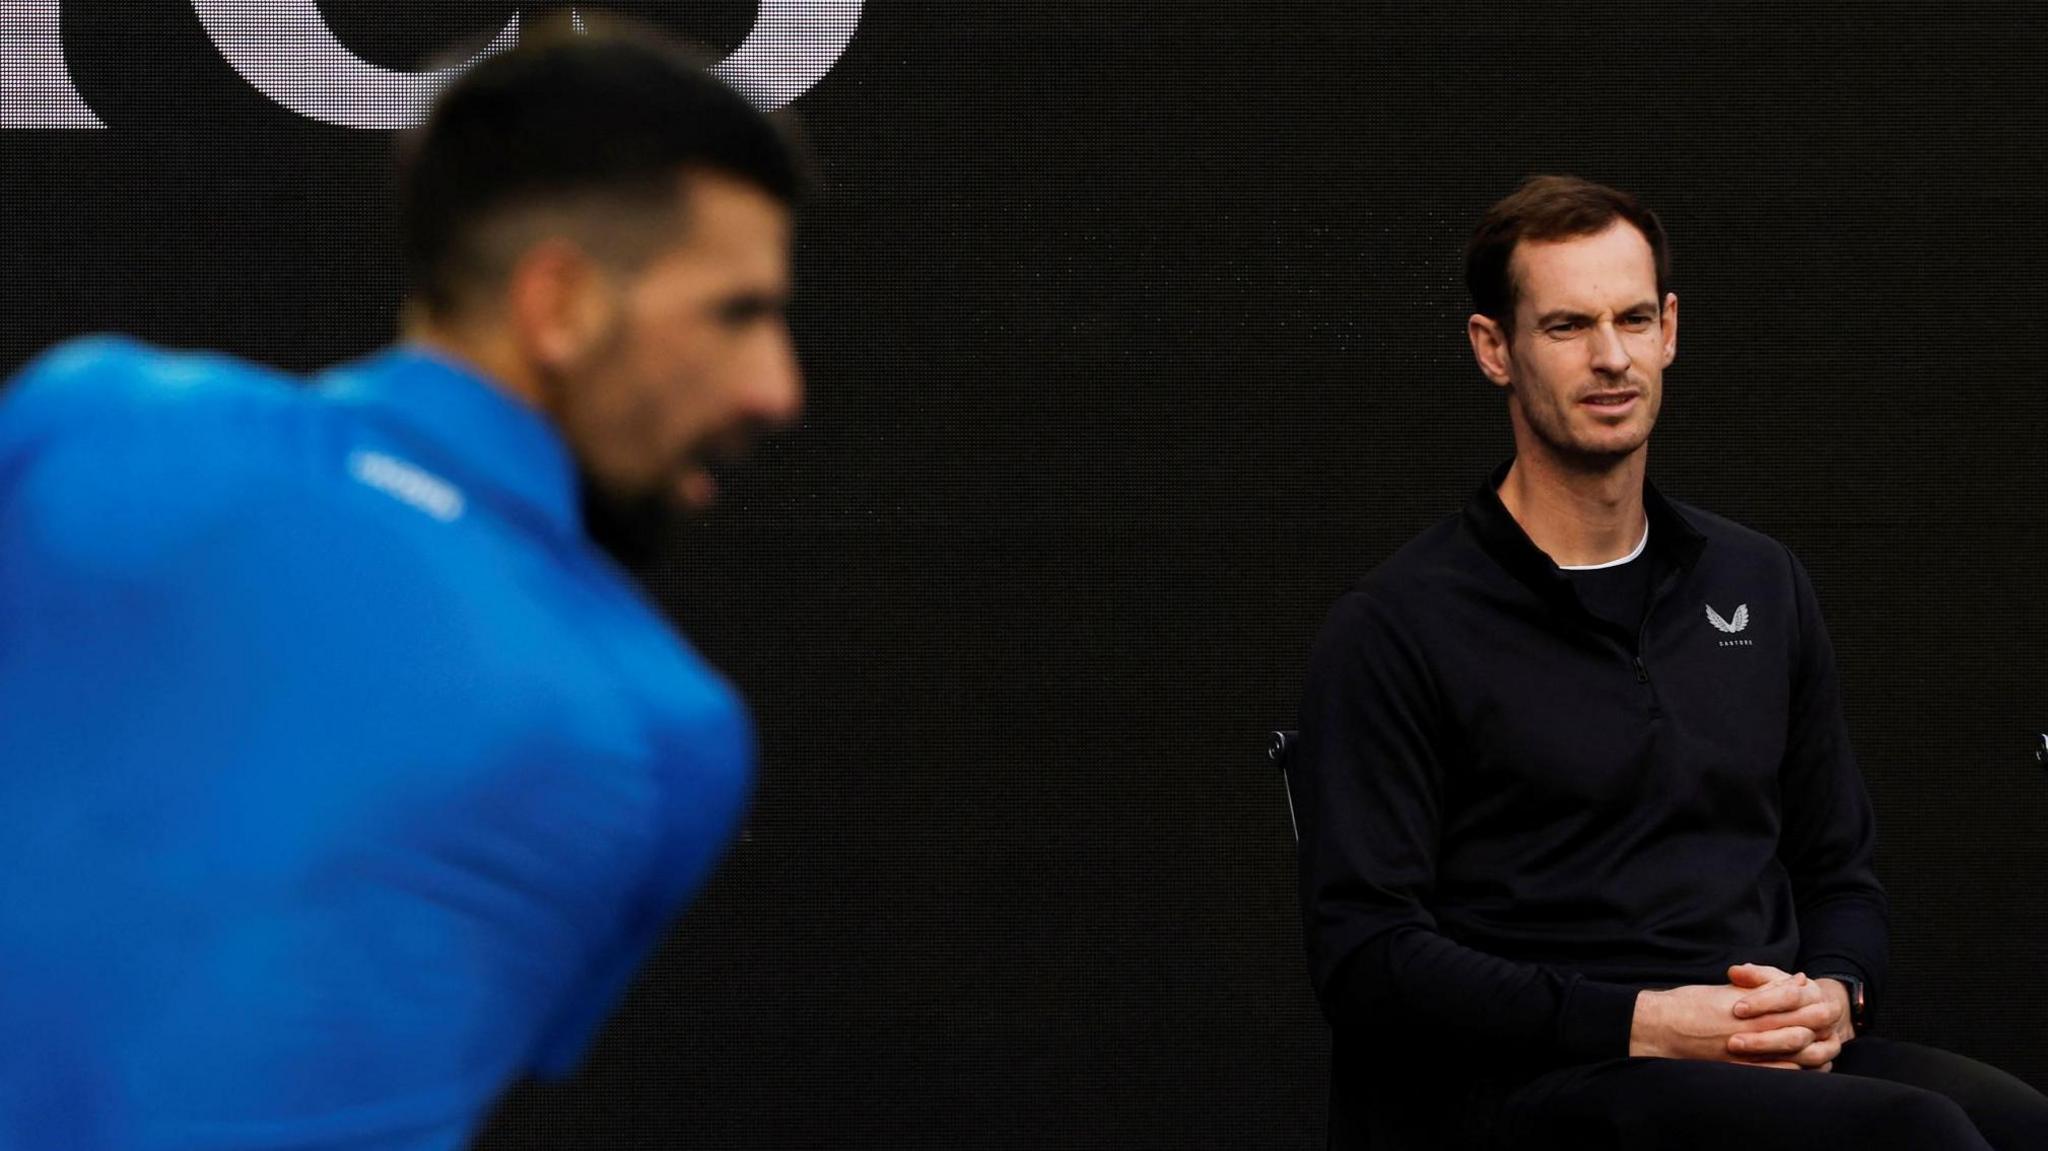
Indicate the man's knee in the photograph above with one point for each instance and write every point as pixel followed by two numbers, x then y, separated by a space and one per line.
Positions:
pixel 2014 1120
pixel 1918 1118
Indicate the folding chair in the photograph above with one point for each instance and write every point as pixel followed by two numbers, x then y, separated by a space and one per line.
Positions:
pixel 1280 745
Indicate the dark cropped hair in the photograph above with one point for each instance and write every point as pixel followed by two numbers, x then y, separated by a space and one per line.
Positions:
pixel 1550 208
pixel 601 124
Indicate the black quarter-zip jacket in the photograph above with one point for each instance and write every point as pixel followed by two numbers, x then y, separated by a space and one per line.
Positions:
pixel 1515 815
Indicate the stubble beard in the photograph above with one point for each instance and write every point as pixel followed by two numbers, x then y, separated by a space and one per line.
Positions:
pixel 635 528
pixel 1553 430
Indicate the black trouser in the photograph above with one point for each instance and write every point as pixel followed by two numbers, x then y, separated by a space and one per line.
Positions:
pixel 1881 1094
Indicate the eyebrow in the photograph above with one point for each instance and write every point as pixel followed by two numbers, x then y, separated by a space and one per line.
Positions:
pixel 1551 317
pixel 749 304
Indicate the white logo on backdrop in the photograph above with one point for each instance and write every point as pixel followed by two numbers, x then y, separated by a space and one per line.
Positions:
pixel 286 51
pixel 35 82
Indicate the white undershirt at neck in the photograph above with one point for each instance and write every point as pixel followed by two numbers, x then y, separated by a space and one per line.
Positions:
pixel 1640 545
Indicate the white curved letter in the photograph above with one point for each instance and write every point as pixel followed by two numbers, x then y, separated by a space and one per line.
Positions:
pixel 35 83
pixel 286 51
pixel 793 44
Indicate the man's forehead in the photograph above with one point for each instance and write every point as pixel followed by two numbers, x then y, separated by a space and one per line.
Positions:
pixel 1607 268
pixel 721 201
pixel 723 213
pixel 730 229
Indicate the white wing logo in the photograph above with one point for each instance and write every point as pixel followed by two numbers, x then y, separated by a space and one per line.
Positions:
pixel 1732 625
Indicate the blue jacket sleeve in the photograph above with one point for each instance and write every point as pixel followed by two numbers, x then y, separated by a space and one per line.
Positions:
pixel 1369 782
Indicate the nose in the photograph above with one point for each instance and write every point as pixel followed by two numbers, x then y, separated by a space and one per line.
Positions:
pixel 779 383
pixel 1610 354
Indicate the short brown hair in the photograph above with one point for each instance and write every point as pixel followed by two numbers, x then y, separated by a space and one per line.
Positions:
pixel 1550 208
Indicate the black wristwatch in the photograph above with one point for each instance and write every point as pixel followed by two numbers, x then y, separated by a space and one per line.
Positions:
pixel 1859 1008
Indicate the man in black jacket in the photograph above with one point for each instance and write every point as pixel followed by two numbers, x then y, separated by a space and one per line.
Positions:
pixel 1586 859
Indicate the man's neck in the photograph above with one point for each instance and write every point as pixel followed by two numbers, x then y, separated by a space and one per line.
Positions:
pixel 485 351
pixel 1578 516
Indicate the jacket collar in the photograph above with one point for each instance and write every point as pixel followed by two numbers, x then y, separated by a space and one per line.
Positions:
pixel 1675 542
pixel 457 419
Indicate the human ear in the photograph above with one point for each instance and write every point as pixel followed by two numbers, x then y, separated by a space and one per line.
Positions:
pixel 1670 328
pixel 1490 348
pixel 561 305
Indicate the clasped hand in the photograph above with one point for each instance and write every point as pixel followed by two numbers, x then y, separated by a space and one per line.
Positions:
pixel 1763 1017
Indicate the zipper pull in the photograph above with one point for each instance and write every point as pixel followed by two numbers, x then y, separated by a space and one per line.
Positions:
pixel 1642 673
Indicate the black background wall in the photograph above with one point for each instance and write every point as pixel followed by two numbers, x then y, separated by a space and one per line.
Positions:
pixel 1134 334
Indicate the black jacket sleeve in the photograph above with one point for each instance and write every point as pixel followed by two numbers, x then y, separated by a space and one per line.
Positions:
pixel 1369 781
pixel 1829 835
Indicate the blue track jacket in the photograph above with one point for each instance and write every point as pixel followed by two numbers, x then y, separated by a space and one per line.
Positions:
pixel 342 780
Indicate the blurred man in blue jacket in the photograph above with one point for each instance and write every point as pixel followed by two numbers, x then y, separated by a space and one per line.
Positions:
pixel 344 780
